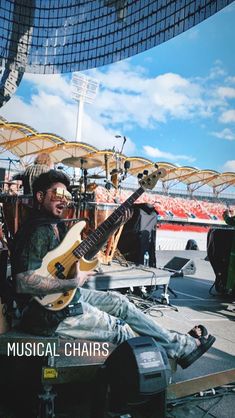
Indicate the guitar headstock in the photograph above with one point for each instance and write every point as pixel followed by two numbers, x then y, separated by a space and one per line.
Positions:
pixel 150 180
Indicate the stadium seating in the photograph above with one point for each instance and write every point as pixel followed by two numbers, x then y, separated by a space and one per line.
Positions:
pixel 168 207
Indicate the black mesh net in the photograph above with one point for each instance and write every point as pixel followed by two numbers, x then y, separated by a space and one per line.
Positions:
pixel 58 36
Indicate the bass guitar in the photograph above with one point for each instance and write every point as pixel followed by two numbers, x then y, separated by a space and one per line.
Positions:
pixel 60 262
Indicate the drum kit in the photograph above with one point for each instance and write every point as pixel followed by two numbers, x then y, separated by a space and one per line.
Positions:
pixel 83 204
pixel 15 207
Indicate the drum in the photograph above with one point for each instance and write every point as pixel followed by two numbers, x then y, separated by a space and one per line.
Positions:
pixel 71 213
pixel 16 209
pixel 97 213
pixel 1 235
pixel 91 187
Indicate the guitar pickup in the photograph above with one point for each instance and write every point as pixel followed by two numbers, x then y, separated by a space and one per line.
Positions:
pixel 59 271
pixel 60 275
pixel 59 267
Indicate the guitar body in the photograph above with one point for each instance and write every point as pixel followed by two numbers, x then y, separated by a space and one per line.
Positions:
pixel 60 263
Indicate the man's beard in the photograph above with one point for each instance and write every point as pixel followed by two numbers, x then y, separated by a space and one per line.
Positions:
pixel 49 214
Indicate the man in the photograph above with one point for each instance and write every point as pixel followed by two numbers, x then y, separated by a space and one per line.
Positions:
pixel 100 316
pixel 229 218
pixel 41 164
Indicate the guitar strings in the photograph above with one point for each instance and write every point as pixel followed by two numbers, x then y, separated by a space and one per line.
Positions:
pixel 68 260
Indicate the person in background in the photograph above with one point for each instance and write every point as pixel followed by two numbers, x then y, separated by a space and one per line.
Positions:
pixel 42 164
pixel 191 245
pixel 229 218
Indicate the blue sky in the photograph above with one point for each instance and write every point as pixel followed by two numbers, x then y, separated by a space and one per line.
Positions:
pixel 174 102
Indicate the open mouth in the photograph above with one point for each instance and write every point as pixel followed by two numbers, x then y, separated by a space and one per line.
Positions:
pixel 60 207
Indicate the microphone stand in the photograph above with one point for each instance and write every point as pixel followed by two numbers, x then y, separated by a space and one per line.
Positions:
pixel 124 141
pixel 11 161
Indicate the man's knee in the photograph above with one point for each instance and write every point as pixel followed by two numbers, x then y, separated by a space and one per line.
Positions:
pixel 121 304
pixel 122 332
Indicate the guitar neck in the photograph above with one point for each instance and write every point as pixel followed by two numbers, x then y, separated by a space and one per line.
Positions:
pixel 85 246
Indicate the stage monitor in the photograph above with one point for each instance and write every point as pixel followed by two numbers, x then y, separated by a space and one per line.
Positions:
pixel 181 265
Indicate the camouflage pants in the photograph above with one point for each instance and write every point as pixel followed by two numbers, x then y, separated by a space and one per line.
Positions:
pixel 110 316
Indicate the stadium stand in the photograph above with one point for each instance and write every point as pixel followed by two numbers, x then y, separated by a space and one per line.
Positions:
pixel 169 207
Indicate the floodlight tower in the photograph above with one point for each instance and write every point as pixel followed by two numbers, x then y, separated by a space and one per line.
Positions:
pixel 84 90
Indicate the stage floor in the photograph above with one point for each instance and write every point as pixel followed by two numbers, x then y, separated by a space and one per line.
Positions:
pixel 193 302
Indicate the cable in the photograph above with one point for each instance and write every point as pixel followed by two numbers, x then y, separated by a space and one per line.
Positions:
pixel 202 396
pixel 146 306
pixel 212 406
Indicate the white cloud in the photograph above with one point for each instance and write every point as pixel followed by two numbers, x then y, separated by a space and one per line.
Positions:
pixel 50 113
pixel 127 99
pixel 231 80
pixel 45 113
pixel 217 71
pixel 228 116
pixel 157 153
pixel 229 165
pixel 225 134
pixel 50 83
pixel 226 92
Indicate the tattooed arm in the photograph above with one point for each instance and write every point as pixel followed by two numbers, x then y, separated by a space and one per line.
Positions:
pixel 30 282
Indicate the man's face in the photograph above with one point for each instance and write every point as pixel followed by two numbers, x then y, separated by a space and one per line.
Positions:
pixel 54 201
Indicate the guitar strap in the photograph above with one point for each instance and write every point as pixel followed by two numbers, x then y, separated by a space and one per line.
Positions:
pixel 56 231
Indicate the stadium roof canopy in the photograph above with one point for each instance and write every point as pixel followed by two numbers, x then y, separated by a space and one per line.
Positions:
pixel 23 141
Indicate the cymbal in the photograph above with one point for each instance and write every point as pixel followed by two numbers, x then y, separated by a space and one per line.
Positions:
pixel 79 162
pixel 96 176
pixel 8 182
pixel 75 186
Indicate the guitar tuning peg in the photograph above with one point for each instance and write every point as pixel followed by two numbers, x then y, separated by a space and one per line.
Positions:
pixel 145 172
pixel 140 175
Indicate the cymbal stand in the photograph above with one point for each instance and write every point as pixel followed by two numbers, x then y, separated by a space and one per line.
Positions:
pixel 83 182
pixel 118 174
pixel 108 183
pixel 10 162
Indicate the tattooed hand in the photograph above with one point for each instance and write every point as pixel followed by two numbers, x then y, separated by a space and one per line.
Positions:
pixel 82 276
